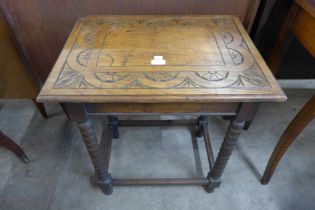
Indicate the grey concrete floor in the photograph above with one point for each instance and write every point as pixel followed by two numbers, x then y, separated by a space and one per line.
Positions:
pixel 58 176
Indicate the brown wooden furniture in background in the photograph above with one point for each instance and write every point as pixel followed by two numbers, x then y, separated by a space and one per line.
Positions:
pixel 300 23
pixel 41 27
pixel 15 80
pixel 301 120
pixel 274 14
pixel 211 68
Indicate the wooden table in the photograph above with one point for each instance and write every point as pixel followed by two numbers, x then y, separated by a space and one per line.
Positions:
pixel 114 65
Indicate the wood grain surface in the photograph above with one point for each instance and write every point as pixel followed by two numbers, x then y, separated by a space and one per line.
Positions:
pixel 308 6
pixel 303 27
pixel 208 58
pixel 15 82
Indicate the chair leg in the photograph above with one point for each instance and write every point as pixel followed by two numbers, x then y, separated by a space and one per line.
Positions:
pixel 113 123
pixel 7 143
pixel 293 130
pixel 65 110
pixel 41 108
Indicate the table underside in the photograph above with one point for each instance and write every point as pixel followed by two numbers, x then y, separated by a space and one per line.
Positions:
pixel 200 124
pixel 239 113
pixel 160 108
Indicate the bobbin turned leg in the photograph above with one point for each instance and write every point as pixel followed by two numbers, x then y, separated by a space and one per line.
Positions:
pixel 113 124
pixel 103 177
pixel 226 149
pixel 78 114
pixel 245 113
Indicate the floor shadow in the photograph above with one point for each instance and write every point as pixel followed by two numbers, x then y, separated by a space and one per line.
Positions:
pixel 248 161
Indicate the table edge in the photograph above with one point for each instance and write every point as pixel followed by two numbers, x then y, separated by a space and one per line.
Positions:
pixel 163 99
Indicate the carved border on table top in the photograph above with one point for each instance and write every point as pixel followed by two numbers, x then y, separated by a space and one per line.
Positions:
pixel 73 77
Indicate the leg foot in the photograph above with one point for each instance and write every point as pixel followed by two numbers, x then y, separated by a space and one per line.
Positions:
pixel 213 183
pixel 24 158
pixel 106 186
pixel 113 123
pixel 7 143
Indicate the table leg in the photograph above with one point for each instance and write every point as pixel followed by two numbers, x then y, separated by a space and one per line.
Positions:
pixel 226 149
pixel 103 177
pixel 203 130
pixel 64 110
pixel 41 108
pixel 113 123
pixel 245 113
pixel 200 121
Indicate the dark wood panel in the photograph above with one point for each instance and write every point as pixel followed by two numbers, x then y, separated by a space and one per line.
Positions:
pixel 14 79
pixel 41 26
pixel 270 30
pixel 303 29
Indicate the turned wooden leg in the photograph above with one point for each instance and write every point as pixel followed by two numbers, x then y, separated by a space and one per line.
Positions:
pixel 41 108
pixel 7 143
pixel 104 179
pixel 65 110
pixel 113 124
pixel 200 121
pixel 297 125
pixel 226 149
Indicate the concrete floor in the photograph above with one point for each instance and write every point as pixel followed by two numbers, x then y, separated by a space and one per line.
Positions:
pixel 58 175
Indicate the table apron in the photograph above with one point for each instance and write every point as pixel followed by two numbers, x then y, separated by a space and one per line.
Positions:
pixel 215 108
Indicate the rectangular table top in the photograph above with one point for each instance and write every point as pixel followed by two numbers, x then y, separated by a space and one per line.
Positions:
pixel 160 59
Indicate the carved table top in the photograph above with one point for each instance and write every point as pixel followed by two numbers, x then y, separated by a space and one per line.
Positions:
pixel 204 58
